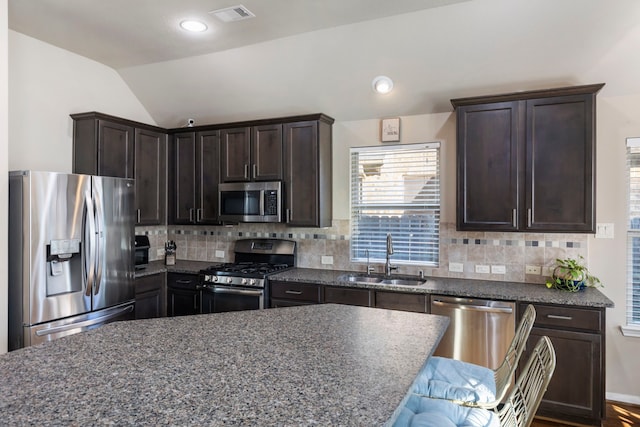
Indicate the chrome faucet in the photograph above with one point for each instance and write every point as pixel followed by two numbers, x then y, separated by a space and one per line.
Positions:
pixel 387 266
pixel 370 268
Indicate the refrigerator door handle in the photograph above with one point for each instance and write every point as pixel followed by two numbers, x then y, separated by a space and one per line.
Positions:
pixel 85 323
pixel 99 226
pixel 90 248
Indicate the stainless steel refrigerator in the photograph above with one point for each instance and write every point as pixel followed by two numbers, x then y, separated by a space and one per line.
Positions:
pixel 71 254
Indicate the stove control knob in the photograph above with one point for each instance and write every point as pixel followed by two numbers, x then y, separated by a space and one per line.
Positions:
pixel 214 278
pixel 252 282
pixel 207 278
pixel 229 280
pixel 244 281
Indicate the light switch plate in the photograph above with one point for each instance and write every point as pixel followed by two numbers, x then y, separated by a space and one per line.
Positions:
pixel 327 259
pixel 160 252
pixel 456 267
pixel 604 230
pixel 219 254
pixel 498 269
pixel 484 269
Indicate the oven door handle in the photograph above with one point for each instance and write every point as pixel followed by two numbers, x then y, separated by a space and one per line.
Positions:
pixel 234 291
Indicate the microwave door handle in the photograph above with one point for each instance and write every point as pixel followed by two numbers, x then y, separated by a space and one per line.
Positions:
pixel 262 193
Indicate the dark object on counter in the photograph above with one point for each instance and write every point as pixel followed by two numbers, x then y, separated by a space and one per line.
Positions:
pixel 170 253
pixel 142 252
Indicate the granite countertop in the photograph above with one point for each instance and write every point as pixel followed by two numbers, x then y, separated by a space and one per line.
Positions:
pixel 525 292
pixel 312 365
pixel 181 266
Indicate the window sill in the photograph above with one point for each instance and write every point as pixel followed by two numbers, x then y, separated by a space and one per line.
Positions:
pixel 630 331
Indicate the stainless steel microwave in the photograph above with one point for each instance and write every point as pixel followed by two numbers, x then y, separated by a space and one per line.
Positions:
pixel 250 201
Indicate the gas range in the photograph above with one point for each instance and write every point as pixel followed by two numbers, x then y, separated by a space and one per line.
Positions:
pixel 255 259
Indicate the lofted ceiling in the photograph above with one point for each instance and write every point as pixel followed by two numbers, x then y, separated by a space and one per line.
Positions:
pixel 308 56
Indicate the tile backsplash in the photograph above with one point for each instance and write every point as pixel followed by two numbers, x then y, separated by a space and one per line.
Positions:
pixel 514 251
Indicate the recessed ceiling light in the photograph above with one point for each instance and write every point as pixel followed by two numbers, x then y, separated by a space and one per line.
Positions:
pixel 192 25
pixel 382 84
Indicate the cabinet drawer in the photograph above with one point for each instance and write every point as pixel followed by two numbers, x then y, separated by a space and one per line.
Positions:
pixel 294 290
pixel 566 317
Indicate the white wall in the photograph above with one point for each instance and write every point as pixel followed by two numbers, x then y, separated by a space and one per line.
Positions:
pixel 4 154
pixel 618 118
pixel 46 85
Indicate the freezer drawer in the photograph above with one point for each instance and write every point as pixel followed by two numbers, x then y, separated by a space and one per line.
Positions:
pixel 480 330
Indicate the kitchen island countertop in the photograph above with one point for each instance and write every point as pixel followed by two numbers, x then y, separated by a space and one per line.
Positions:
pixel 311 365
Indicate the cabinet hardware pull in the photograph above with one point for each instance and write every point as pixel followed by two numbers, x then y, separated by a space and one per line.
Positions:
pixel 198 215
pixel 191 215
pixel 514 218
pixel 246 171
pixel 183 281
pixel 288 216
pixel 293 292
pixel 255 170
pixel 529 217
pixel 138 215
pixel 556 316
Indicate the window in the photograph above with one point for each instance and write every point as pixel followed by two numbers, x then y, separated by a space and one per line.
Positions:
pixel 633 237
pixel 396 189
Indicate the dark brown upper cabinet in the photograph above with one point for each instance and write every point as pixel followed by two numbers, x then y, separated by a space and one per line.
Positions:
pixel 251 153
pixel 307 173
pixel 526 161
pixel 150 169
pixel 111 146
pixel 194 176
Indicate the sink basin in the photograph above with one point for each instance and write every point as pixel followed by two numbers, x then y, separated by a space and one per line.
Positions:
pixel 361 278
pixel 403 282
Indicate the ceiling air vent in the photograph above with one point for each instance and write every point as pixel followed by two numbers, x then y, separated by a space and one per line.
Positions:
pixel 232 14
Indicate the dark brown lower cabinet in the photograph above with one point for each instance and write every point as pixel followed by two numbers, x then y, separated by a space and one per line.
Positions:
pixel 183 294
pixel 150 294
pixel 401 301
pixel 576 393
pixel 350 296
pixel 289 294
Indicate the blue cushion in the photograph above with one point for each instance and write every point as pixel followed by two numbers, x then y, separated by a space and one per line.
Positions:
pixel 425 412
pixel 445 378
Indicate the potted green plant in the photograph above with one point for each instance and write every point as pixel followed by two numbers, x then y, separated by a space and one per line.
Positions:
pixel 572 275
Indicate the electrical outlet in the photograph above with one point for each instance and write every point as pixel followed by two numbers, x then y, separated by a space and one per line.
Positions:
pixel 484 269
pixel 456 267
pixel 219 254
pixel 160 252
pixel 327 259
pixel 498 269
pixel 532 269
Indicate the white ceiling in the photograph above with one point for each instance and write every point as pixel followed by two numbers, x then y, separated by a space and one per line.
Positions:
pixel 308 56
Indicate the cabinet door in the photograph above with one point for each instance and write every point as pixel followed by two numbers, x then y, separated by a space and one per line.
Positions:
pixel 115 149
pixel 301 174
pixel 150 173
pixel 576 389
pixel 401 301
pixel 183 178
pixel 208 175
pixel 266 153
pixel 183 294
pixel 235 154
pixel 351 296
pixel 488 162
pixel 151 296
pixel 560 167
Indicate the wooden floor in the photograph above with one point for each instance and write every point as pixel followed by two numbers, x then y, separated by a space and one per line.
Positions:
pixel 618 415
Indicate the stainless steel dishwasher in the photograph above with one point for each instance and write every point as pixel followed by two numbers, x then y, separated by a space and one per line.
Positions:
pixel 480 330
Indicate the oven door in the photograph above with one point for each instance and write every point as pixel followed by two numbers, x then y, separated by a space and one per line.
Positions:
pixel 218 298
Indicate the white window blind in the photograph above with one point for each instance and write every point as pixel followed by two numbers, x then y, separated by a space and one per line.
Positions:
pixel 633 233
pixel 396 189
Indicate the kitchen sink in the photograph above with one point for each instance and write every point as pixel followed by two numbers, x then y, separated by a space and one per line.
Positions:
pixel 361 278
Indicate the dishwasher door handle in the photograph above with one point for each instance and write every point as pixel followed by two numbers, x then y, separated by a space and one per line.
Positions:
pixel 484 309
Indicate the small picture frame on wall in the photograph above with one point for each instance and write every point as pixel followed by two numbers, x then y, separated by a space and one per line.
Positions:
pixel 390 129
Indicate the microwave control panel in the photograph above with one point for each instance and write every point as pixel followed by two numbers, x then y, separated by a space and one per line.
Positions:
pixel 271 202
